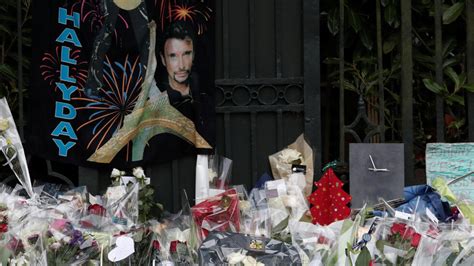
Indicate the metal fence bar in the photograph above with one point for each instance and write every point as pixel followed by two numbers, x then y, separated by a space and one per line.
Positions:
pixel 225 37
pixel 407 87
pixel 20 67
pixel 470 65
pixel 252 38
pixel 278 11
pixel 342 146
pixel 381 94
pixel 279 125
pixel 312 80
pixel 253 145
pixel 439 71
pixel 227 131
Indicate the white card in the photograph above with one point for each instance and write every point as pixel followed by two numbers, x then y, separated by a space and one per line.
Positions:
pixel 125 247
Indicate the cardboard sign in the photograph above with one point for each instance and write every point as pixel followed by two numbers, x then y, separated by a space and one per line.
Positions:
pixel 376 170
pixel 450 161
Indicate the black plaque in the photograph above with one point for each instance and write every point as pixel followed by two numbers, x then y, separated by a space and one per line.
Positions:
pixel 384 178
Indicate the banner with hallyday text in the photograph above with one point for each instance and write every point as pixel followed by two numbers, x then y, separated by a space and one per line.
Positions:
pixel 121 81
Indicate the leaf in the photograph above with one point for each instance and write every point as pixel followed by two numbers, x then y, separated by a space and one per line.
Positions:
pixel 453 12
pixel 366 40
pixel 333 21
pixel 453 98
pixel 434 87
pixel 385 2
pixel 448 46
pixel 364 257
pixel 281 226
pixel 391 42
pixel 6 71
pixel 449 71
pixel 450 62
pixel 354 20
pixel 468 87
pixel 390 15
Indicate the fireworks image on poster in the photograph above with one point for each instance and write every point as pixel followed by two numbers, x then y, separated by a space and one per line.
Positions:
pixel 91 14
pixel 51 65
pixel 122 85
pixel 196 12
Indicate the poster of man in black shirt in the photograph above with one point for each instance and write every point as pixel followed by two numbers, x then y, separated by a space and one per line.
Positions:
pixel 102 88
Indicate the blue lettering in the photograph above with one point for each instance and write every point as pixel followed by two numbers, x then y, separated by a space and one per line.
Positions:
pixel 66 55
pixel 63 148
pixel 67 91
pixel 63 17
pixel 65 129
pixel 64 74
pixel 59 111
pixel 69 35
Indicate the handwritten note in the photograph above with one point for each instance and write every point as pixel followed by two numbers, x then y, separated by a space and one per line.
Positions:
pixel 451 160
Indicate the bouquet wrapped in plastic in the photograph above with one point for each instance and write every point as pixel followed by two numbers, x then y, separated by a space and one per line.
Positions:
pixel 298 154
pixel 314 242
pixel 230 248
pixel 219 213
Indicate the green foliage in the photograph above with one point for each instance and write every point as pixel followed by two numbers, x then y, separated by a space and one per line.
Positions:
pixel 8 49
pixel 361 70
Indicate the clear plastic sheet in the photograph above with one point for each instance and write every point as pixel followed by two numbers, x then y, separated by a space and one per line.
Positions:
pixel 314 242
pixel 230 248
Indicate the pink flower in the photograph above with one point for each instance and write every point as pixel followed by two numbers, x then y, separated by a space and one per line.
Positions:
pixel 59 224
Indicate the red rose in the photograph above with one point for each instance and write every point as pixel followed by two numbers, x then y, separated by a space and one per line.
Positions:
pixel 156 245
pixel 415 241
pixel 96 209
pixel 323 240
pixel 398 228
pixel 408 234
pixel 3 228
pixel 173 246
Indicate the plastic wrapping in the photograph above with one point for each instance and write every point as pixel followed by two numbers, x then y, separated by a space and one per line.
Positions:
pixel 297 153
pixel 12 147
pixel 230 248
pixel 218 213
pixel 213 173
pixel 314 242
pixel 66 245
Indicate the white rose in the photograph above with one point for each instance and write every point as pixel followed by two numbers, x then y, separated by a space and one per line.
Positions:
pixel 116 173
pixel 138 172
pixel 251 261
pixel 290 155
pixel 235 257
pixel 4 124
pixel 212 175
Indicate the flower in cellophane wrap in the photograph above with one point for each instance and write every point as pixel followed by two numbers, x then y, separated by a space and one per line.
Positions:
pixel 12 147
pixel 396 242
pixel 314 242
pixel 299 154
pixel 218 213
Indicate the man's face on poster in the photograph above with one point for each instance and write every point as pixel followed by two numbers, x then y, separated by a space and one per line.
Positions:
pixel 178 57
